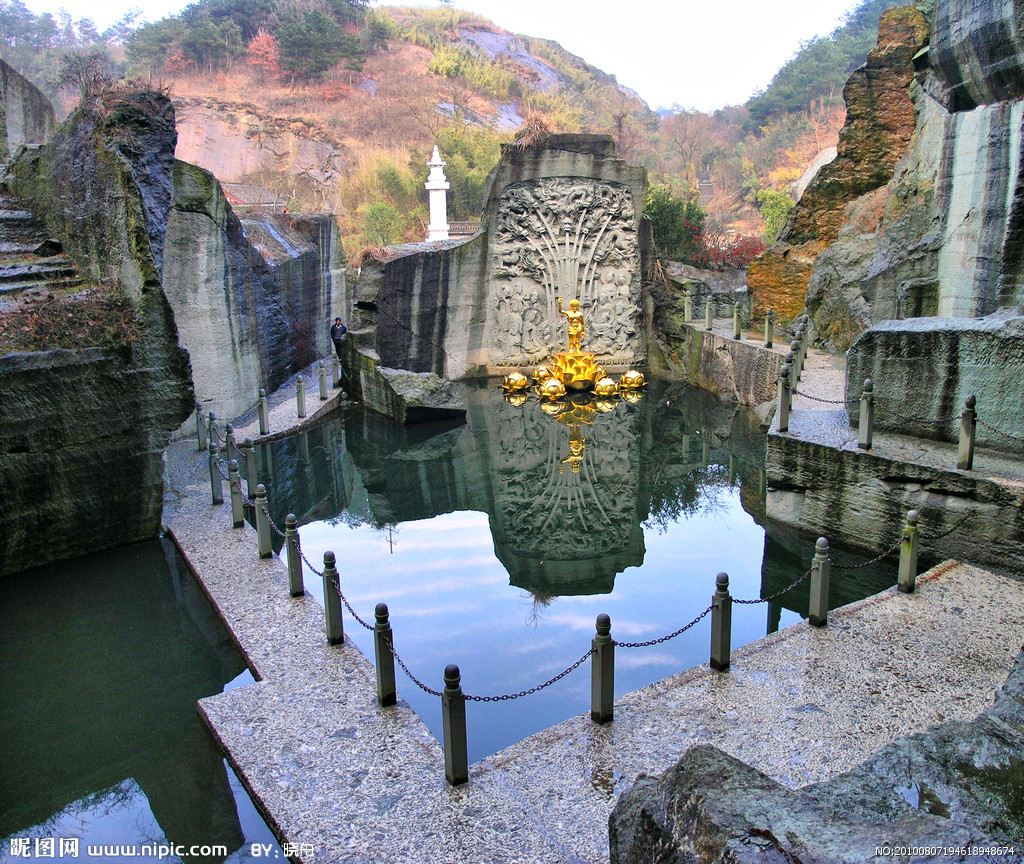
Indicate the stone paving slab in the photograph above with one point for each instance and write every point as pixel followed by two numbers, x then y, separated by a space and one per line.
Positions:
pixel 365 784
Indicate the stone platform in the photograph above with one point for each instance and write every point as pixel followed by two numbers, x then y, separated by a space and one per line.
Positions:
pixel 359 783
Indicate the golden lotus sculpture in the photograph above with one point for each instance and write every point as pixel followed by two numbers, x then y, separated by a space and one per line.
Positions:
pixel 606 387
pixel 542 373
pixel 552 388
pixel 577 370
pixel 515 381
pixel 632 379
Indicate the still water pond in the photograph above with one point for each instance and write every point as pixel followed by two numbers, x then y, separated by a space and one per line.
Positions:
pixel 496 542
pixel 102 660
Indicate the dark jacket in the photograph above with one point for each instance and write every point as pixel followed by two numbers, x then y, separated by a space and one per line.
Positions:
pixel 338 331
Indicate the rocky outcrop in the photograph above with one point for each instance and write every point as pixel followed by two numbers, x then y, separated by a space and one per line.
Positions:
pixel 562 219
pixel 954 786
pixel 253 298
pixel 235 141
pixel 82 433
pixel 26 114
pixel 724 288
pixel 879 124
pixel 943 236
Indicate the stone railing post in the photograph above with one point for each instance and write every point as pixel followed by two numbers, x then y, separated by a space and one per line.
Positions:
pixel 794 349
pixel 721 624
pixel 687 307
pixel 216 486
pixel 782 407
pixel 291 543
pixel 230 447
pixel 300 397
pixel 769 329
pixel 332 602
pixel 737 331
pixel 212 426
pixel 866 420
pixel 708 313
pixel 235 485
pixel 968 423
pixel 384 656
pixel 323 381
pixel 453 725
pixel 602 672
pixel 264 413
pixel 821 568
pixel 262 522
pixel 250 466
pixel 200 428
pixel 790 361
pixel 907 579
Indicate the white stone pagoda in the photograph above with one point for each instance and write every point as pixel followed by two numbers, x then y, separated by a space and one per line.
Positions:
pixel 437 185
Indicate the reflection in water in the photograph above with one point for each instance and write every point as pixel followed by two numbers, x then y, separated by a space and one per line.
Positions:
pixel 631 512
pixel 102 661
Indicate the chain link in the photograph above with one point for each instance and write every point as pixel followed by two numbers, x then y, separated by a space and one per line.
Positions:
pixel 774 596
pixel 827 401
pixel 991 428
pixel 509 696
pixel 957 527
pixel 390 643
pixel 874 560
pixel 664 638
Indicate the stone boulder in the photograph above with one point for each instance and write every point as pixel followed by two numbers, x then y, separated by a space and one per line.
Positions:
pixel 25 113
pixel 953 786
pixel 723 287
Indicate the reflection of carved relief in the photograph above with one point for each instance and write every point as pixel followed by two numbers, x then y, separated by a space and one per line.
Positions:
pixel 564 237
pixel 556 510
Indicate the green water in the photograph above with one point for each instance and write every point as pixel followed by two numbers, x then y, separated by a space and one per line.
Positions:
pixel 102 660
pixel 492 553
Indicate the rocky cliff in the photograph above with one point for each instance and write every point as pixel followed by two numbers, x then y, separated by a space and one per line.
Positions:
pixel 922 213
pixel 25 113
pixel 253 298
pixel 879 125
pixel 82 433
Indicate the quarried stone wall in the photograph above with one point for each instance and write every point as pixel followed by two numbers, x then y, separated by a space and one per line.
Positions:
pixel 26 113
pixel 82 435
pixel 253 298
pixel 925 368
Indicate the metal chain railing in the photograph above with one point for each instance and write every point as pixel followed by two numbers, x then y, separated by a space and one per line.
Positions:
pixel 827 401
pixel 991 428
pixel 509 696
pixel 664 638
pixel 776 595
pixel 874 560
pixel 970 514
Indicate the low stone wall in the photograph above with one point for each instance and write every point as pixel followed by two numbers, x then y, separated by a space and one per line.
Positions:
pixel 924 368
pixel 741 370
pixel 859 498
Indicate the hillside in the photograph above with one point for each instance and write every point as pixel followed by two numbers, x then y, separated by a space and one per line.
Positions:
pixel 335 106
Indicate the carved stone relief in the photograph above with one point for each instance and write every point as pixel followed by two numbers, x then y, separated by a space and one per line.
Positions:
pixel 572 238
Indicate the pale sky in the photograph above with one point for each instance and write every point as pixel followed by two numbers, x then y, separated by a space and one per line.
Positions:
pixel 701 55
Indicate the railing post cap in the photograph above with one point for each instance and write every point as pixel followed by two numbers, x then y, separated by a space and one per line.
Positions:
pixel 452 676
pixel 822 544
pixel 263 393
pixel 329 558
pixel 232 465
pixel 722 581
pixel 381 612
pixel 970 401
pixel 228 427
pixel 794 346
pixel 261 489
pixel 290 520
pixel 248 443
pixel 213 447
pixel 604 624
pixel 213 416
pixel 869 385
pixel 322 365
pixel 912 517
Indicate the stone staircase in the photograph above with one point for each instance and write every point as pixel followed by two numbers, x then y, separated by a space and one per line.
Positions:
pixel 32 264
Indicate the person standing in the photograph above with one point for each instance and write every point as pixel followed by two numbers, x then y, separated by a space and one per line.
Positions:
pixel 338 331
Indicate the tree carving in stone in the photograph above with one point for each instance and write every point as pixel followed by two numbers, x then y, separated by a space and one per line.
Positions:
pixel 564 237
